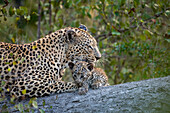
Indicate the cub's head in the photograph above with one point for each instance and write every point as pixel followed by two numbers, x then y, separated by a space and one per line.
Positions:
pixel 81 45
pixel 81 72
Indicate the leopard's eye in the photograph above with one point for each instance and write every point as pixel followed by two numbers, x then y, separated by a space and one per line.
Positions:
pixel 91 47
pixel 90 67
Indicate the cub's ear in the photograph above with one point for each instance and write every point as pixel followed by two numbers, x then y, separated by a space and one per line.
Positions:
pixel 71 65
pixel 90 66
pixel 70 35
pixel 83 27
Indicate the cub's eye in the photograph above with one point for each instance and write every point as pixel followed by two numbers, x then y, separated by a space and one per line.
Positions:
pixel 74 76
pixel 76 71
pixel 81 76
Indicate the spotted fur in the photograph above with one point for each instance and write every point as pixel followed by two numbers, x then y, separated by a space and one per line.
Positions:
pixel 86 75
pixel 37 67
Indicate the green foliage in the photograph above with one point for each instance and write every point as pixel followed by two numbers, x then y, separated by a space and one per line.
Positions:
pixel 133 36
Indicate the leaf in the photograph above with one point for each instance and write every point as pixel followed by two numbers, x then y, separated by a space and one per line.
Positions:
pixel 146 16
pixel 1 99
pixel 136 2
pixel 58 13
pixel 24 91
pixel 115 33
pixel 34 103
pixel 41 111
pixel 88 14
pixel 51 107
pixel 141 20
pixel 22 60
pixel 24 10
pixel 11 54
pixel 4 11
pixel 9 69
pixel 18 11
pixel 7 89
pixel 7 63
pixel 5 19
pixel 167 12
pixel 28 17
pixel 143 37
pixel 20 107
pixel 39 56
pixel 11 11
pixel 4 107
pixel 147 32
pixel 100 44
pixel 2 83
pixel 93 30
pixel 13 39
pixel 12 99
pixel 35 13
pixel 43 102
pixel 121 2
pixel 77 1
pixel 46 4
pixel 17 18
pixel 34 47
pixel 14 63
pixel 130 76
pixel 117 13
pixel 31 101
pixel 168 40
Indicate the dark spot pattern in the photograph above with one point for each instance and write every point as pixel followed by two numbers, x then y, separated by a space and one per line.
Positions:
pixel 35 67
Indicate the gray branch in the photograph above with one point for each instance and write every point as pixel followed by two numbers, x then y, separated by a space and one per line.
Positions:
pixel 147 96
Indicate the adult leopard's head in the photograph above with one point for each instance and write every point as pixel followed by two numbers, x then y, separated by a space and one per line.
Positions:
pixel 81 45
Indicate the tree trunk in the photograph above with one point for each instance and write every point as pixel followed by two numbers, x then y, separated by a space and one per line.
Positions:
pixel 147 96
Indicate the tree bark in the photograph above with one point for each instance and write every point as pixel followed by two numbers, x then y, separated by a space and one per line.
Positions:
pixel 147 96
pixel 39 20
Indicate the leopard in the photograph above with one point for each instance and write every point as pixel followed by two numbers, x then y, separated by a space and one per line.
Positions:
pixel 36 69
pixel 86 75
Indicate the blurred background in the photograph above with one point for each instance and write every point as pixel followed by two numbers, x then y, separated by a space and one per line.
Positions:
pixel 133 35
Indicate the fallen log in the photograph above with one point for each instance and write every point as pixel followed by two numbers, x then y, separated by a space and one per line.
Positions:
pixel 151 96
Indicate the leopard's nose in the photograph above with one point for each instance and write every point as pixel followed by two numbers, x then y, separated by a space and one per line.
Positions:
pixel 79 84
pixel 97 58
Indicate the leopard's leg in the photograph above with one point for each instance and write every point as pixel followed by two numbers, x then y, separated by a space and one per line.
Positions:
pixel 96 84
pixel 35 82
pixel 61 86
pixel 40 87
pixel 98 80
pixel 83 89
pixel 6 86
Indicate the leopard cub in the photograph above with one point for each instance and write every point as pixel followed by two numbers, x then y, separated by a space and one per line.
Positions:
pixel 86 75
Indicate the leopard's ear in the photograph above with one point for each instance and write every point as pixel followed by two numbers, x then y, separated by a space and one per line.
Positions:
pixel 70 35
pixel 71 65
pixel 90 66
pixel 83 27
